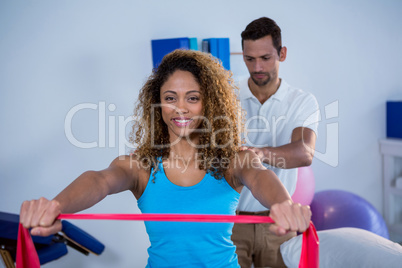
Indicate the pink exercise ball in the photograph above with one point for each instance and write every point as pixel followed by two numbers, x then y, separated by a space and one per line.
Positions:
pixel 305 186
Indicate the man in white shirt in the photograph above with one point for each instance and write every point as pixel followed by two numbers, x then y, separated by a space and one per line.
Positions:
pixel 281 128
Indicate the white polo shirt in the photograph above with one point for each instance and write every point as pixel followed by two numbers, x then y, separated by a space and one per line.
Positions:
pixel 271 124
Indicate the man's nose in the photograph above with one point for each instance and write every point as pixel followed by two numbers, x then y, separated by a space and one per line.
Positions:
pixel 258 65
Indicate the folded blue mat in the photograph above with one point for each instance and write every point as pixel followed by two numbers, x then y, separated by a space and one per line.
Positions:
pixel 51 247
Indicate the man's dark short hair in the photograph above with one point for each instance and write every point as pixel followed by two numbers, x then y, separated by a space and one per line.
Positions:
pixel 260 28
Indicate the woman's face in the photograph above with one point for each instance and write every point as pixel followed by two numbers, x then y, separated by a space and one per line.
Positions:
pixel 181 103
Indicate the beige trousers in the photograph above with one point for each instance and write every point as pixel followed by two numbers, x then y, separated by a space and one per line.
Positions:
pixel 256 244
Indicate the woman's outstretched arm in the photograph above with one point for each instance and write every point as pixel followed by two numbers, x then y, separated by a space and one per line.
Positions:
pixel 85 191
pixel 270 192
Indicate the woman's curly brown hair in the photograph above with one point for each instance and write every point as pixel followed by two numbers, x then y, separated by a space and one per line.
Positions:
pixel 223 116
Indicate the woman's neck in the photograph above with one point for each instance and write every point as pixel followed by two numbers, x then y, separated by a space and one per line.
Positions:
pixel 183 149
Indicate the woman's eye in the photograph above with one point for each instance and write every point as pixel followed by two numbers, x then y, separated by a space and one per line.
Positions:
pixel 169 98
pixel 194 99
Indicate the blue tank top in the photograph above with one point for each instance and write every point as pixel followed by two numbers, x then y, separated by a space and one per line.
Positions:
pixel 189 244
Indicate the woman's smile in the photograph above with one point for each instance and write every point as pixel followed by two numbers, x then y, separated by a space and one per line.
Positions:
pixel 182 121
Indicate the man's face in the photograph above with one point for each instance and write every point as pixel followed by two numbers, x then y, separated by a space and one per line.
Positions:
pixel 262 60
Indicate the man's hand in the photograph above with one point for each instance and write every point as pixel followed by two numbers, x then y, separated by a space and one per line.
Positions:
pixel 259 151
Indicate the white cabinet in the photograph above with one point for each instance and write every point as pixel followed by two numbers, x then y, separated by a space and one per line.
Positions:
pixel 391 150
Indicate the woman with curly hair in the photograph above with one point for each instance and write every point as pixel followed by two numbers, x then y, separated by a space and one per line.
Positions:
pixel 187 161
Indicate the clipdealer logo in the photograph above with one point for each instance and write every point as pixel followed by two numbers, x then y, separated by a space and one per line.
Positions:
pixel 331 154
pixel 122 123
pixel 107 136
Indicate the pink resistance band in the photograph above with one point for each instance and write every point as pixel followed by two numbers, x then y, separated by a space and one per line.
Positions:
pixel 27 256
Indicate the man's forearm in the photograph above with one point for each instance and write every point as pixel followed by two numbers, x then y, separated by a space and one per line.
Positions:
pixel 292 155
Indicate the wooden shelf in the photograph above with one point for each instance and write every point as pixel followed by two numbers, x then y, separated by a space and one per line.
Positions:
pixel 391 147
pixel 391 150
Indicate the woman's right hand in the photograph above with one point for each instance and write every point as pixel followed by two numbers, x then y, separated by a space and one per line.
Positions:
pixel 40 215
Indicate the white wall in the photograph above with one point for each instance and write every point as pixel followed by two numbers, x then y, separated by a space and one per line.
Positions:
pixel 55 55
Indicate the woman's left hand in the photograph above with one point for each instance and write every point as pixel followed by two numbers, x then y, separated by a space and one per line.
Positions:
pixel 289 216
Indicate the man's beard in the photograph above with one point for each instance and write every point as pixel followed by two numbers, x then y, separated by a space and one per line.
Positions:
pixel 261 82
